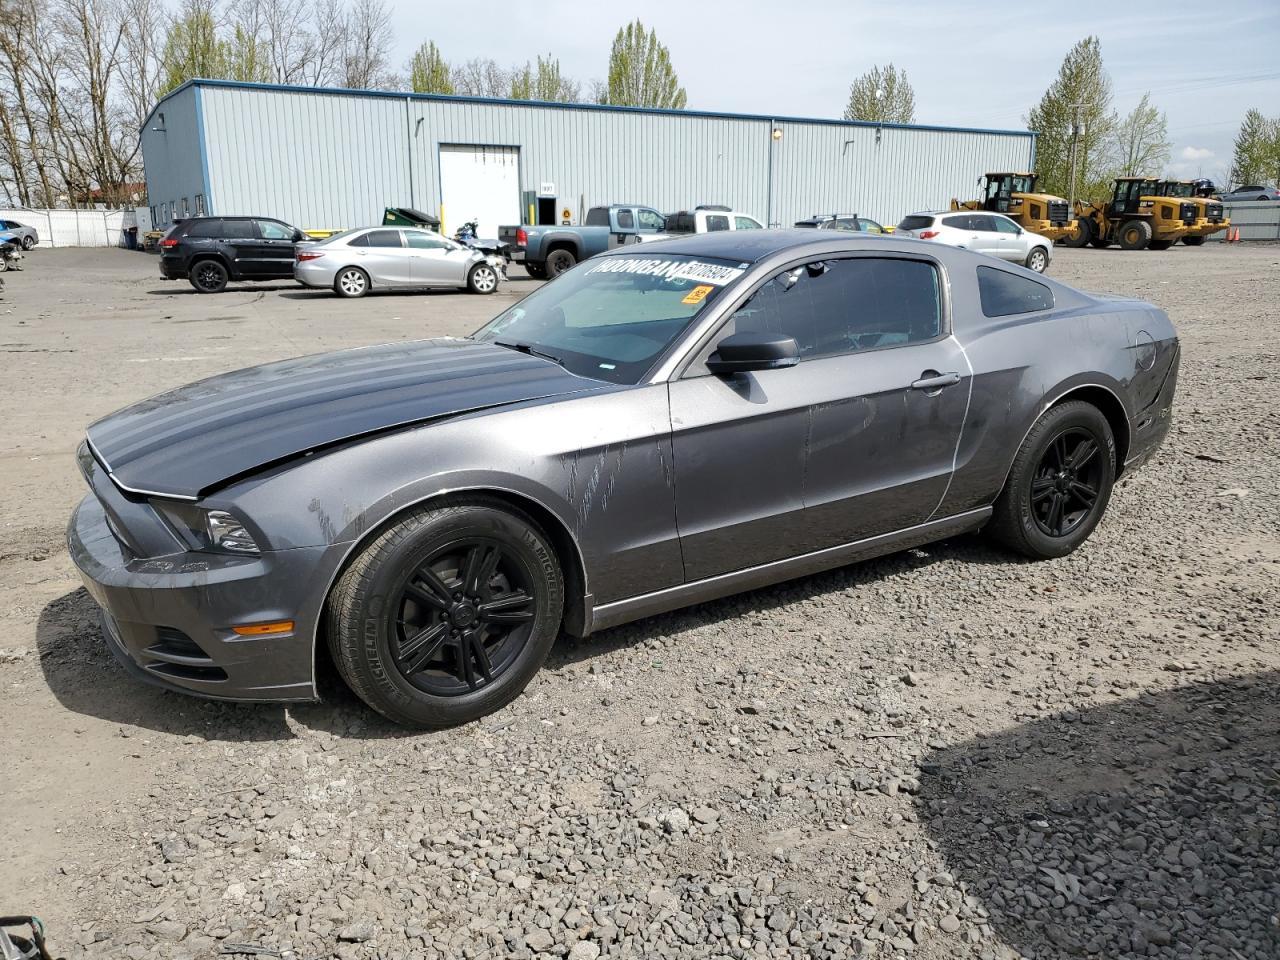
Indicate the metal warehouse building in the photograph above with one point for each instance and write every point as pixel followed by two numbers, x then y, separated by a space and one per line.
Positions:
pixel 323 158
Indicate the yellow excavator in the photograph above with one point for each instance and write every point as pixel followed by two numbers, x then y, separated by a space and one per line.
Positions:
pixel 1137 217
pixel 1014 195
pixel 1210 217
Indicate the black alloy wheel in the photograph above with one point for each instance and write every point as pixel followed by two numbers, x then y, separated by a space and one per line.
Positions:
pixel 558 261
pixel 462 617
pixel 209 276
pixel 1067 482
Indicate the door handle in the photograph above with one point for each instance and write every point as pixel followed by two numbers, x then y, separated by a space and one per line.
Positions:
pixel 932 380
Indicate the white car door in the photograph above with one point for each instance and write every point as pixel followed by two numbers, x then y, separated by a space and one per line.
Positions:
pixel 983 236
pixel 437 261
pixel 383 255
pixel 1015 243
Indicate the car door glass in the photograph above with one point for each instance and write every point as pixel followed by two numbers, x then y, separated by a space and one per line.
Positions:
pixel 426 241
pixel 845 223
pixel 982 223
pixel 626 220
pixel 207 229
pixel 746 223
pixel 869 226
pixel 382 238
pixel 271 230
pixel 837 307
pixel 959 223
pixel 717 223
pixel 1005 226
pixel 649 220
pixel 239 230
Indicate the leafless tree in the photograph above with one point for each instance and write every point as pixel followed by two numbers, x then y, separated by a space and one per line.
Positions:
pixel 368 38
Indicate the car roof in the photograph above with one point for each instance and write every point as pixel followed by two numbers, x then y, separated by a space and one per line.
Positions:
pixel 752 246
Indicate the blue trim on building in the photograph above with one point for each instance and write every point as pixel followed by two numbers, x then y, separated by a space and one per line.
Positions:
pixel 443 98
pixel 204 150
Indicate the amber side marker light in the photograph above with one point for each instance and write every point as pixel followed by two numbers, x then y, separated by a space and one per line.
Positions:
pixel 265 629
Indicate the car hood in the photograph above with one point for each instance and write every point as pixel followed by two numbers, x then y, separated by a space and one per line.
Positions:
pixel 190 440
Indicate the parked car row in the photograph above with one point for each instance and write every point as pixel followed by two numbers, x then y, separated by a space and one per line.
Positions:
pixel 210 252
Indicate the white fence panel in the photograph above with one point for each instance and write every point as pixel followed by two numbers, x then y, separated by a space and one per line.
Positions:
pixel 76 228
pixel 1256 219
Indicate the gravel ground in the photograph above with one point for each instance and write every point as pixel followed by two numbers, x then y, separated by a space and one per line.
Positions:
pixel 946 753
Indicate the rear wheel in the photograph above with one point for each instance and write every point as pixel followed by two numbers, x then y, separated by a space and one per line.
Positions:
pixel 1135 235
pixel 1038 259
pixel 1060 483
pixel 209 276
pixel 1193 241
pixel 1084 232
pixel 351 282
pixel 482 278
pixel 558 261
pixel 447 615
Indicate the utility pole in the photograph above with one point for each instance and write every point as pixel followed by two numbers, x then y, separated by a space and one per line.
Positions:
pixel 1075 137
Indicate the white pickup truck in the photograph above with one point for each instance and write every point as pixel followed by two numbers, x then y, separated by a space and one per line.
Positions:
pixel 702 220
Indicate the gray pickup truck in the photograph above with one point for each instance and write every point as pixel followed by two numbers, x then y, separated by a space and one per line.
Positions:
pixel 549 251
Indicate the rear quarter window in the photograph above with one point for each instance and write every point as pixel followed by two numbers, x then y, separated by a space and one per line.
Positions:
pixel 1005 294
pixel 206 228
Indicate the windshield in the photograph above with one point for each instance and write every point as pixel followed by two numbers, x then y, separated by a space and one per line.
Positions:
pixel 612 317
pixel 1181 190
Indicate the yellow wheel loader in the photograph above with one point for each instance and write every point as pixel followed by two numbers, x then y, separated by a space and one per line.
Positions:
pixel 1137 217
pixel 1210 217
pixel 1014 195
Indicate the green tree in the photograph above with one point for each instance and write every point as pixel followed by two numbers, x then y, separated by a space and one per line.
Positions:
pixel 544 82
pixel 248 58
pixel 192 47
pixel 428 72
pixel 1141 141
pixel 1257 153
pixel 640 71
pixel 1080 96
pixel 882 95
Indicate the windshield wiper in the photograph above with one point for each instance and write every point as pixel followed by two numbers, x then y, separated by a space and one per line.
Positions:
pixel 530 349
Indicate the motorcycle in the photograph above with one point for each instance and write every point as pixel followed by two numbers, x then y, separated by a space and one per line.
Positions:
pixel 495 251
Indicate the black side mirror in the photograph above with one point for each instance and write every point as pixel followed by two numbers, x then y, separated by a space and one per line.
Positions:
pixel 742 352
pixel 298 235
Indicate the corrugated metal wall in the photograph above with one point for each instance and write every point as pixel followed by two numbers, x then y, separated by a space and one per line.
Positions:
pixel 1256 220
pixel 171 154
pixel 325 159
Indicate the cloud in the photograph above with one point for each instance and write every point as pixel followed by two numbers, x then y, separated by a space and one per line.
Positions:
pixel 1196 154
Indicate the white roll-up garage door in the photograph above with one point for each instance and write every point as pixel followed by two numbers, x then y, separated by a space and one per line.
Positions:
pixel 479 183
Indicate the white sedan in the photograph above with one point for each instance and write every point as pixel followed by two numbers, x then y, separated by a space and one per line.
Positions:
pixel 989 233
pixel 383 258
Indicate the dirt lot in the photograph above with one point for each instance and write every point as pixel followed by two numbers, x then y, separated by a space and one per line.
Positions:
pixel 947 753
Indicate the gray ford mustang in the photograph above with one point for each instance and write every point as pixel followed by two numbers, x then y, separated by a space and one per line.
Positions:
pixel 650 430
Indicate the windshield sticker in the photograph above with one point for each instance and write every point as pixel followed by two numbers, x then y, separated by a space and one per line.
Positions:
pixel 698 293
pixel 713 273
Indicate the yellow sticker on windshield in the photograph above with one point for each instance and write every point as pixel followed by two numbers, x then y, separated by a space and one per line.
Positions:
pixel 697 294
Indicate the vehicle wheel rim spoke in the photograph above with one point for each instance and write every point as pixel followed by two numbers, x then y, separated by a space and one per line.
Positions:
pixel 1068 482
pixel 463 616
pixel 1083 453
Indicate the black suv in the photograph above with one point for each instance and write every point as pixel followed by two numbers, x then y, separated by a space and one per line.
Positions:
pixel 210 251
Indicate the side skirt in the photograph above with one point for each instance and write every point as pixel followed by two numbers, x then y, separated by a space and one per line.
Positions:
pixel 723 585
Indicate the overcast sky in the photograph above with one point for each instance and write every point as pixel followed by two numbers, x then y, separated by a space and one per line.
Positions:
pixel 971 64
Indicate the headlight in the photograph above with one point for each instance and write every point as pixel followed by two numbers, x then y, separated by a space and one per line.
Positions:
pixel 228 533
pixel 203 529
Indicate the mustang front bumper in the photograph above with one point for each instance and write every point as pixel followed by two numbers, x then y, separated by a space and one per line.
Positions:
pixel 169 619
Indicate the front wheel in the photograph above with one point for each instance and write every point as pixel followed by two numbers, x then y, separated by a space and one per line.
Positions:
pixel 351 282
pixel 558 261
pixel 1060 483
pixel 1135 235
pixel 209 276
pixel 1038 259
pixel 536 270
pixel 447 615
pixel 1084 232
pixel 1193 241
pixel 482 278
pixel 28 243
pixel 1160 245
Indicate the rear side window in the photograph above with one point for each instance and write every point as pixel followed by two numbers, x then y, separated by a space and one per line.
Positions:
pixel 915 223
pixel 382 238
pixel 598 217
pixel 836 307
pixel 962 222
pixel 239 230
pixel 717 223
pixel 626 220
pixel 680 223
pixel 1005 294
pixel 210 229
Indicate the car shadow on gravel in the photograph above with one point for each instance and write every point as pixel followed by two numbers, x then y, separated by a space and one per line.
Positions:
pixel 86 679
pixel 1148 827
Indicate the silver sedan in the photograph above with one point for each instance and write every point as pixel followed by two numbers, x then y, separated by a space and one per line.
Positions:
pixel 384 258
